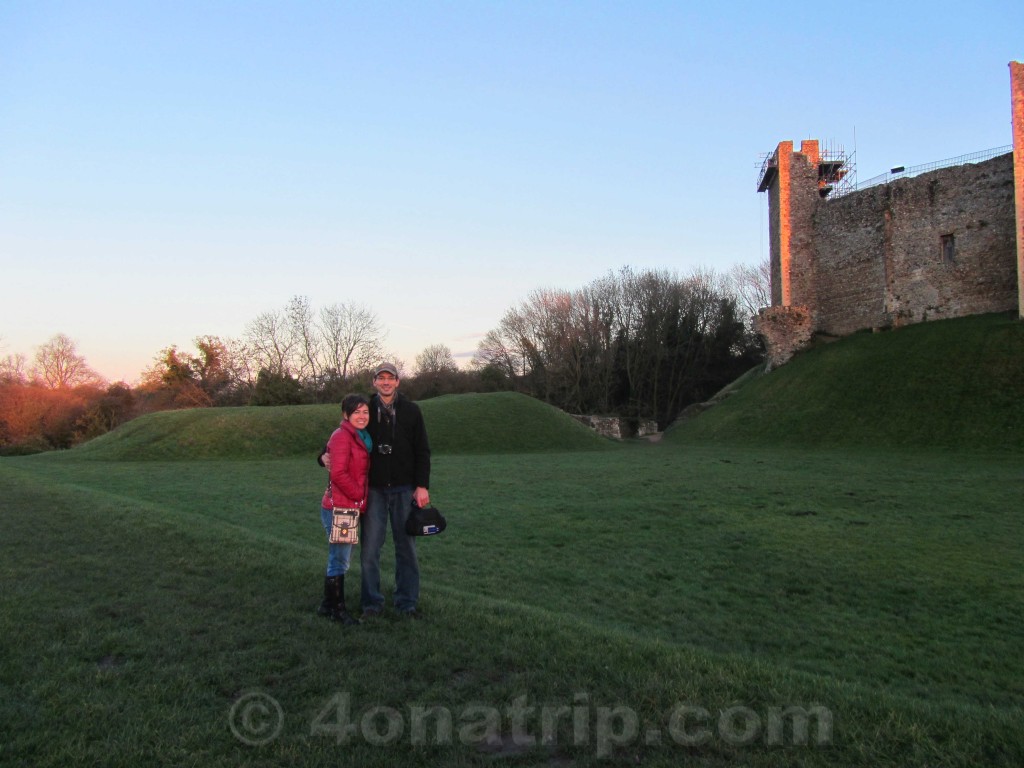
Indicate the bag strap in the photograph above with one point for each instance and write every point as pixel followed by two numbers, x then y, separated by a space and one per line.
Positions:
pixel 330 485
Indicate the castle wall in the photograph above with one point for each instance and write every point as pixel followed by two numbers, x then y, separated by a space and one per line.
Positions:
pixel 850 235
pixel 934 246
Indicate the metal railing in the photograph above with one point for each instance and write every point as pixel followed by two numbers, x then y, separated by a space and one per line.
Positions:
pixel 904 173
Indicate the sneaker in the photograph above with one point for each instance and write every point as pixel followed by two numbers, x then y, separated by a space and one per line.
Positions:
pixel 411 613
pixel 371 613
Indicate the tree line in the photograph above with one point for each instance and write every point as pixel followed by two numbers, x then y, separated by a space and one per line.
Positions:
pixel 294 355
pixel 288 356
pixel 639 344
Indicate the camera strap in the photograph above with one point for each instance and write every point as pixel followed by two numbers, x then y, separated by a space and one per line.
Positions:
pixel 392 414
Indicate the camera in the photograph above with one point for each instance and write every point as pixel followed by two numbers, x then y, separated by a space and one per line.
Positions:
pixel 384 448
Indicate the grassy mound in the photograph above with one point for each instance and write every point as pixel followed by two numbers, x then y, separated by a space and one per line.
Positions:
pixel 949 384
pixel 211 433
pixel 502 422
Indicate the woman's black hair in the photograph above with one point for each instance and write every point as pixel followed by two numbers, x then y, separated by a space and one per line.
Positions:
pixel 350 402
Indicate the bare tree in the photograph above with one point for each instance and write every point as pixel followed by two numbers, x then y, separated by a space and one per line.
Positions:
pixel 751 286
pixel 240 364
pixel 59 365
pixel 305 339
pixel 595 311
pixel 270 343
pixel 521 328
pixel 494 351
pixel 437 358
pixel 352 337
pixel 12 369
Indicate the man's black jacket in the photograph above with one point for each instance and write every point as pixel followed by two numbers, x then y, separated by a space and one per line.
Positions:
pixel 408 462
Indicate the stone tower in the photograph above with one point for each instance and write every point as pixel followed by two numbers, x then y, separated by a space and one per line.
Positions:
pixel 795 182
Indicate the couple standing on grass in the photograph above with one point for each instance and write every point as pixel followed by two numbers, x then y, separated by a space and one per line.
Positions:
pixel 379 463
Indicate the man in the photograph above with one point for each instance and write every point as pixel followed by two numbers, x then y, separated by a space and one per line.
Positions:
pixel 399 475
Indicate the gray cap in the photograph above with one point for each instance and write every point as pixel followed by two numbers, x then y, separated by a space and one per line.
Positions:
pixel 385 368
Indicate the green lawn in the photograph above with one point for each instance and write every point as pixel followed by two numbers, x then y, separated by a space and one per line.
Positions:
pixel 646 604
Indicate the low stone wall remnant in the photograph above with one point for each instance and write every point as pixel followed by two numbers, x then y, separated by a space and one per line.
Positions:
pixel 786 331
pixel 617 427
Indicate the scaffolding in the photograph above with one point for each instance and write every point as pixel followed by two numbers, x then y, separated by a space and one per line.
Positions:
pixel 837 171
pixel 769 170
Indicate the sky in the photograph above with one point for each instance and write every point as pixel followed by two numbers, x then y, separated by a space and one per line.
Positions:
pixel 173 169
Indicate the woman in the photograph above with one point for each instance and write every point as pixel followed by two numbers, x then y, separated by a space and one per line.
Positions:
pixel 349 450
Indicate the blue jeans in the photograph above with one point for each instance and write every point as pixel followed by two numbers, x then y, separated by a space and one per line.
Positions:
pixel 383 506
pixel 338 555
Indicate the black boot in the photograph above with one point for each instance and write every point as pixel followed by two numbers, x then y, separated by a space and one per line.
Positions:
pixel 340 613
pixel 329 605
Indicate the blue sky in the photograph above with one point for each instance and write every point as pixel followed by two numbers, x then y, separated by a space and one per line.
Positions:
pixel 173 169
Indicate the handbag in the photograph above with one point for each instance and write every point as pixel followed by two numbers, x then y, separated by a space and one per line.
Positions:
pixel 425 521
pixel 344 522
pixel 344 526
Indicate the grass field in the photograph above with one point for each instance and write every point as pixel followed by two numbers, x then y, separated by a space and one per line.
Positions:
pixel 681 603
